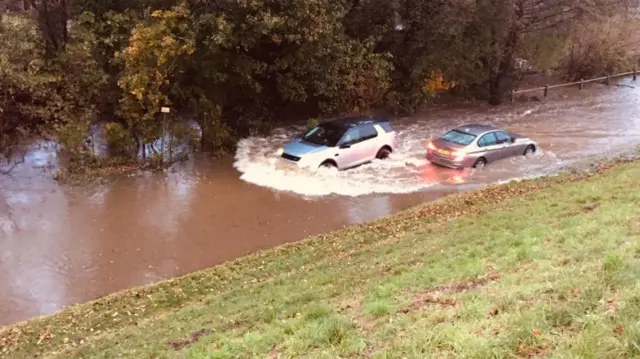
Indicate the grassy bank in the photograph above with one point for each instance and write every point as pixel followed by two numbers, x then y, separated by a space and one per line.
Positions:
pixel 538 268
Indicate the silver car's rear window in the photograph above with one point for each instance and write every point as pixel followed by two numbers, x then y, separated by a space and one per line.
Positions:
pixel 458 137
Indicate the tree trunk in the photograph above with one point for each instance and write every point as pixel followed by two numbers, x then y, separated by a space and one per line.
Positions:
pixel 495 93
pixel 208 134
pixel 52 22
pixel 140 147
pixel 505 67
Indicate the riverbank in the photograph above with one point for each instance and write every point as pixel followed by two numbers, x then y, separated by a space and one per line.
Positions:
pixel 530 268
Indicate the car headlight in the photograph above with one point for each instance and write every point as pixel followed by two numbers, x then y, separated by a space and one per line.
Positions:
pixel 280 151
pixel 309 161
pixel 304 161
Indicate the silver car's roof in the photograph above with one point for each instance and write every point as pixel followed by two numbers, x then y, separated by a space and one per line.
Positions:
pixel 476 129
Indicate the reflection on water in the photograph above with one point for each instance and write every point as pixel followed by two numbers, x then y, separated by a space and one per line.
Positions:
pixel 60 245
pixel 457 179
pixel 369 208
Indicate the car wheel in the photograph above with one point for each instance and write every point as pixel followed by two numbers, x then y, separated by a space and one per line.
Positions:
pixel 383 153
pixel 480 163
pixel 328 165
pixel 529 150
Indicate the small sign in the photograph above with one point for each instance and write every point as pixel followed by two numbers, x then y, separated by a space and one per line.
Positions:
pixel 165 109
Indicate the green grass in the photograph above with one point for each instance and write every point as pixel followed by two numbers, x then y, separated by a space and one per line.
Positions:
pixel 543 268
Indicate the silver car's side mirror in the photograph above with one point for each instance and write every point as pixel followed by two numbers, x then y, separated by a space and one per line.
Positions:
pixel 344 145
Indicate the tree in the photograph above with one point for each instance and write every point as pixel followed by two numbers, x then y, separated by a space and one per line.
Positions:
pixel 498 28
pixel 257 63
pixel 19 62
pixel 152 58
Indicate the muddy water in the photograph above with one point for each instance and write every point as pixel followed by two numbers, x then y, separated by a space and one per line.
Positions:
pixel 61 245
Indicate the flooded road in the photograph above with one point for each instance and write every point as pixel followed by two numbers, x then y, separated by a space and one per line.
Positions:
pixel 61 245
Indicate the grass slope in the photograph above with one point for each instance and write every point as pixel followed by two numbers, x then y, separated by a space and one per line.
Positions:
pixel 543 268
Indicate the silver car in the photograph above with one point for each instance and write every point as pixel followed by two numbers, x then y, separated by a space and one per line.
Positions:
pixel 476 145
pixel 342 143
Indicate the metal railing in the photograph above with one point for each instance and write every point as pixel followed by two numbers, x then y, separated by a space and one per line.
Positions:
pixel 580 84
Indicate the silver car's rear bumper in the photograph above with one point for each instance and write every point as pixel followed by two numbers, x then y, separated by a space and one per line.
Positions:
pixel 437 159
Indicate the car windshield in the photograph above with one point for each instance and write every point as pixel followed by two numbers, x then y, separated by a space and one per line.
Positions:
pixel 324 134
pixel 458 137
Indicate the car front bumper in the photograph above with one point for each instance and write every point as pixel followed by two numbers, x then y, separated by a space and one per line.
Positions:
pixel 288 163
pixel 285 164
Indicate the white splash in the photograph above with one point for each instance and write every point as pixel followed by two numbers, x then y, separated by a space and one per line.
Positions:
pixel 257 159
pixel 405 171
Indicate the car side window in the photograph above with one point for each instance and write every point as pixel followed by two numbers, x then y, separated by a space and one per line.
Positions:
pixel 487 140
pixel 503 137
pixel 367 132
pixel 352 136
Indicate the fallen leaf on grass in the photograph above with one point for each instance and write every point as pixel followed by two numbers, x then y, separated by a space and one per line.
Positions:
pixel 182 343
pixel 490 275
pixel 6 339
pixel 422 300
pixel 275 352
pixel 528 351
pixel 612 305
pixel 434 296
pixel 45 336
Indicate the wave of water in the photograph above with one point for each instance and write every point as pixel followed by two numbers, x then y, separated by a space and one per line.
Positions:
pixel 257 160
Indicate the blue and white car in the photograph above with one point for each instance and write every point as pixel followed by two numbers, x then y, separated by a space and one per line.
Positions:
pixel 342 143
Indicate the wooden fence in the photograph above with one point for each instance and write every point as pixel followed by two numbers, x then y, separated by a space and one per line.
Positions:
pixel 580 84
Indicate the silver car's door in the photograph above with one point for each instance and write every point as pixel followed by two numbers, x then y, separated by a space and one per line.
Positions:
pixel 350 149
pixel 490 149
pixel 510 149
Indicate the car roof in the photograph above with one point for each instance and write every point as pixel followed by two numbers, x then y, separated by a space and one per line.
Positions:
pixel 355 121
pixel 476 129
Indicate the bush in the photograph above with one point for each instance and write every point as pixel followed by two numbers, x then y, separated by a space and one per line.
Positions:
pixel 217 136
pixel 120 140
pixel 73 137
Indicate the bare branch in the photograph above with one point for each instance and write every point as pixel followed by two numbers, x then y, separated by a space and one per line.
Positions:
pixel 12 162
pixel 11 168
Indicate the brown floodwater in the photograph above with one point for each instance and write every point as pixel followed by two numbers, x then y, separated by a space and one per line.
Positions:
pixel 61 245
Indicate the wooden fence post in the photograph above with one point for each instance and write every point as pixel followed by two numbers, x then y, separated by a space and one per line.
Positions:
pixel 581 83
pixel 513 96
pixel 546 90
pixel 635 74
pixel 608 79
